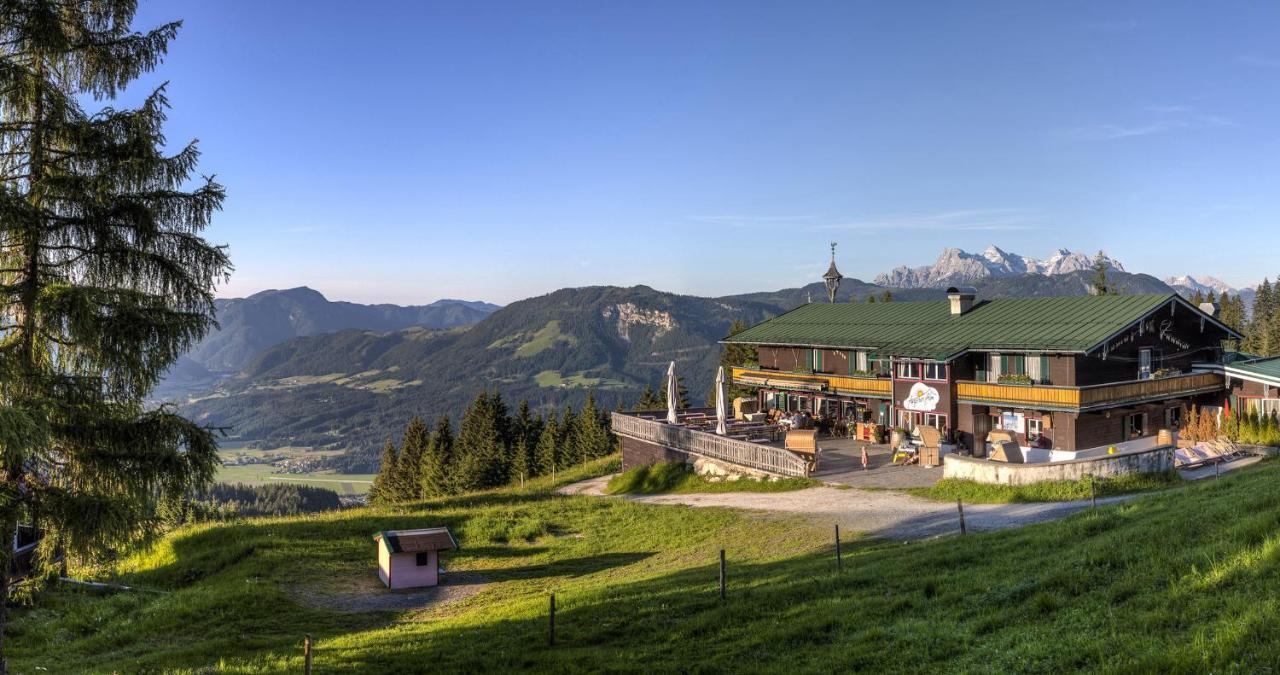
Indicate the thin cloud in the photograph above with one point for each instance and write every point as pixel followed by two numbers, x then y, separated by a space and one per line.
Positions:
pixel 965 220
pixel 1167 118
pixel 1258 61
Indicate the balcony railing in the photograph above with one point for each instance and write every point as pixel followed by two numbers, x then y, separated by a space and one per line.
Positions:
pixel 765 458
pixel 1076 399
pixel 846 385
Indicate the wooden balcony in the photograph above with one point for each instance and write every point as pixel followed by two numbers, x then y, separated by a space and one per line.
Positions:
pixel 844 385
pixel 1078 399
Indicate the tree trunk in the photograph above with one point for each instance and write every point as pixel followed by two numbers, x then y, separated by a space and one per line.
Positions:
pixel 8 530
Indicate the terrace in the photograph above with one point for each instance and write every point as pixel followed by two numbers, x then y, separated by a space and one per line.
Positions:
pixel 759 447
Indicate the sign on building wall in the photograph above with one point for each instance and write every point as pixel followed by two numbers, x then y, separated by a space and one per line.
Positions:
pixel 922 397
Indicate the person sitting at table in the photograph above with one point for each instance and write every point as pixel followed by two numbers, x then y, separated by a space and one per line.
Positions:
pixel 797 421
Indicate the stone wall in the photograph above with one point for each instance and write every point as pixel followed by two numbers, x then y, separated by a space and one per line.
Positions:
pixel 638 453
pixel 1156 460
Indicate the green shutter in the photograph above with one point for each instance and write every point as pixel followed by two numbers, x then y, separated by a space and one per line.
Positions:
pixel 1044 368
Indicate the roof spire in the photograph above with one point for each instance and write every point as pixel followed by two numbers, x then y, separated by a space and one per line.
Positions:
pixel 832 278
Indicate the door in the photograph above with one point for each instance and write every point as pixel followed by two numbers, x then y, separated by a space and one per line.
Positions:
pixel 981 427
pixel 1144 363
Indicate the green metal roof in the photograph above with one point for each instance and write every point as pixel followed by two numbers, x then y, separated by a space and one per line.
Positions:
pixel 929 330
pixel 1260 369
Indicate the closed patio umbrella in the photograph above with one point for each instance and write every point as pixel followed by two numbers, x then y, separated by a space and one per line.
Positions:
pixel 673 393
pixel 721 404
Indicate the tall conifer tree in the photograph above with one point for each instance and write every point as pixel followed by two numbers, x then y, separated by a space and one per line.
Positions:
pixel 384 489
pixel 546 453
pixel 438 462
pixel 104 280
pixel 408 481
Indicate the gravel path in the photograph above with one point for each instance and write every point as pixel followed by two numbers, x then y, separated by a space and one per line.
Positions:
pixel 882 512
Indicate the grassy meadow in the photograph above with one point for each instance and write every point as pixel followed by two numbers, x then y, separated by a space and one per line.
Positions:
pixel 1181 580
pixel 262 474
pixel 971 492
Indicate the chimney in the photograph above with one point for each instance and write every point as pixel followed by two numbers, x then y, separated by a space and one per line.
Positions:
pixel 1210 308
pixel 961 298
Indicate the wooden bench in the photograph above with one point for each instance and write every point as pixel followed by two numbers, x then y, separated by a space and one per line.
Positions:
pixel 804 442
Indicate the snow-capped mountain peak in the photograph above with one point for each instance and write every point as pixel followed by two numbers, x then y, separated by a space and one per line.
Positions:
pixel 957 266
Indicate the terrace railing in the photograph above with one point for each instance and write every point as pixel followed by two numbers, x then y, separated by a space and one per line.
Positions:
pixel 764 458
pixel 849 385
pixel 1076 399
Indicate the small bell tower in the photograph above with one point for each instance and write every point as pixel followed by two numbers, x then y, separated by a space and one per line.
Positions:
pixel 832 278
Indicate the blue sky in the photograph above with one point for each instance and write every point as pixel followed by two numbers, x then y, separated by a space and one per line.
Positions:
pixel 407 151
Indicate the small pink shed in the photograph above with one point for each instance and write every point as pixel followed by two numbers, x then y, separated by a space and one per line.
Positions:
pixel 411 558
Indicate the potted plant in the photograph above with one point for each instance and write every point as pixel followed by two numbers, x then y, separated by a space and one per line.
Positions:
pixel 1015 379
pixel 897 436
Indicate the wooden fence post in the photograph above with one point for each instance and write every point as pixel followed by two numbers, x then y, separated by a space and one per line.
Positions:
pixel 960 508
pixel 722 574
pixel 551 623
pixel 1217 470
pixel 839 562
pixel 306 654
pixel 1093 492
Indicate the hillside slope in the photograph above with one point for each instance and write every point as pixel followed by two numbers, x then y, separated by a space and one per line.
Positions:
pixel 1184 581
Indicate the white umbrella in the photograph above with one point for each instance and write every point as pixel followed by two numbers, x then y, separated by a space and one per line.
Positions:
pixel 721 404
pixel 673 393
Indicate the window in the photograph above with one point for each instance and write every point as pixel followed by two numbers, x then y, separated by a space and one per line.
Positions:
pixel 909 370
pixel 880 365
pixel 1035 427
pixel 908 419
pixel 1136 426
pixel 1013 364
pixel 1145 367
pixel 423 559
pixel 935 371
pixel 1173 417
pixel 936 421
pixel 802 403
pixel 858 363
pixel 770 400
pixel 815 360
pixel 1038 368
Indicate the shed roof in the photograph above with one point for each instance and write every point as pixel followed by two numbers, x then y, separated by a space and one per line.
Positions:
pixel 1261 370
pixel 414 541
pixel 928 329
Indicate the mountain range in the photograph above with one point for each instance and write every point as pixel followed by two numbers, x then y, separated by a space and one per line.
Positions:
pixel 246 326
pixel 956 266
pixel 351 389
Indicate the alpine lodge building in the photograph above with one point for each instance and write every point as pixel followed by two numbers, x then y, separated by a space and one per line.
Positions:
pixel 1058 374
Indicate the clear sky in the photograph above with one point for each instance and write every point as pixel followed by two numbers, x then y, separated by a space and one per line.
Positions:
pixel 408 151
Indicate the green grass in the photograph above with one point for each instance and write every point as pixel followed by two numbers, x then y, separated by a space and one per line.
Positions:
pixel 951 489
pixel 553 378
pixel 547 337
pixel 677 477
pixel 1182 580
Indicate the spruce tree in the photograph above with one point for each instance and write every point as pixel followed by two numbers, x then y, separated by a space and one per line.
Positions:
pixel 479 444
pixel 886 296
pixel 1101 282
pixel 438 461
pixel 590 436
pixel 408 482
pixel 546 453
pixel 521 462
pixel 105 281
pixel 384 489
pixel 649 399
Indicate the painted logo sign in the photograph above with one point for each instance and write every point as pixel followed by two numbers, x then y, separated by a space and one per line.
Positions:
pixel 922 397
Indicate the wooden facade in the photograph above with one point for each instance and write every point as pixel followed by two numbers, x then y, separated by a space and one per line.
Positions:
pixel 1129 386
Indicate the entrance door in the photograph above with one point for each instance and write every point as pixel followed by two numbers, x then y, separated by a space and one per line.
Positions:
pixel 981 427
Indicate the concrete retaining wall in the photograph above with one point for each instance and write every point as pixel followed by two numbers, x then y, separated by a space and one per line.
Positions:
pixel 1155 460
